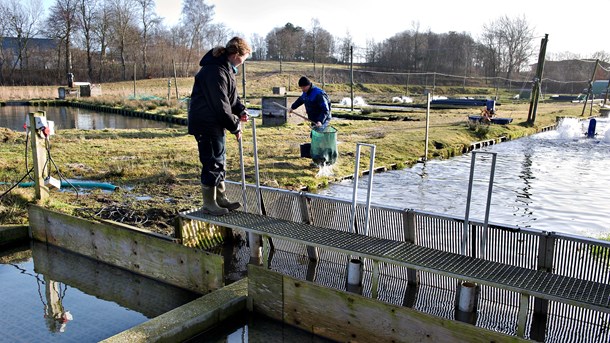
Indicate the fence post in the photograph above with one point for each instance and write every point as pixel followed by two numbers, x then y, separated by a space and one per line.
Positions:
pixel 38 155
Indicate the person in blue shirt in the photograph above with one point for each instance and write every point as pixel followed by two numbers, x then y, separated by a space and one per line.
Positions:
pixel 317 104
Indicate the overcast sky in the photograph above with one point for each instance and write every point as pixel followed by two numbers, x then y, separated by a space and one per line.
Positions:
pixel 573 28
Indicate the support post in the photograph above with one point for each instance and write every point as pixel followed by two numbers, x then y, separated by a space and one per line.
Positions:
pixel 312 252
pixel 524 300
pixel 409 226
pixel 38 155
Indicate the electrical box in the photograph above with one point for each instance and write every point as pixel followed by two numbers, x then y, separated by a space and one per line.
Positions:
pixel 52 182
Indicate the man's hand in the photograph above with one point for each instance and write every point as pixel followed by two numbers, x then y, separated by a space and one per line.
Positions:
pixel 318 124
pixel 244 116
pixel 238 136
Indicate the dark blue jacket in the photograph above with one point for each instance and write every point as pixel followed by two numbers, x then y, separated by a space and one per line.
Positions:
pixel 316 104
pixel 215 103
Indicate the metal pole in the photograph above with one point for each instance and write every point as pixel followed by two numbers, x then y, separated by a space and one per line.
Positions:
pixel 175 80
pixel 370 188
pixel 243 80
pixel 355 192
pixel 466 230
pixel 351 75
pixel 427 126
pixel 256 170
pixel 243 175
pixel 488 205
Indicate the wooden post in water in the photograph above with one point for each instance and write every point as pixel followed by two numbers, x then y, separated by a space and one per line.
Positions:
pixel 38 155
pixel 175 80
pixel 590 90
pixel 134 80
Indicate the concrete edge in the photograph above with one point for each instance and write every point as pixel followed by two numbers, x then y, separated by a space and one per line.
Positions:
pixel 14 234
pixel 190 319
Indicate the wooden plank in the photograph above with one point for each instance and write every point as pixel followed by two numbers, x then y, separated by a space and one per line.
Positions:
pixel 344 316
pixel 265 292
pixel 133 249
pixel 130 290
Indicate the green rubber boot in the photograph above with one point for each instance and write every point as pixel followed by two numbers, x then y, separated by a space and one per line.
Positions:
pixel 223 201
pixel 209 202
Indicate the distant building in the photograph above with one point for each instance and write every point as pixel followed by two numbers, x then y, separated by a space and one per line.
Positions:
pixel 38 53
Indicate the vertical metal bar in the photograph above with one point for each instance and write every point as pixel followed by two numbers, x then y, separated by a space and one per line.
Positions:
pixel 485 232
pixel 466 230
pixel 256 172
pixel 243 175
pixel 370 188
pixel 427 126
pixel 355 192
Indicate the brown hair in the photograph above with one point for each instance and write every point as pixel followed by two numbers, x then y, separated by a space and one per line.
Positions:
pixel 236 45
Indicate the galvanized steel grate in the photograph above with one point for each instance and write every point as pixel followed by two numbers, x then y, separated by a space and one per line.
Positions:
pixel 538 283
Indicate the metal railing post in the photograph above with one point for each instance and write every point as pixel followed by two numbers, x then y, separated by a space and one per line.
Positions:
pixel 466 231
pixel 369 189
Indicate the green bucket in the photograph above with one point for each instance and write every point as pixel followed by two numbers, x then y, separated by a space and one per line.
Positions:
pixel 324 146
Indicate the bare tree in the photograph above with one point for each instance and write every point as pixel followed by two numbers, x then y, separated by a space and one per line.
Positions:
pixel 122 25
pixel 22 19
pixel 344 48
pixel 218 34
pixel 86 15
pixel 62 23
pixel 149 21
pixel 286 43
pixel 319 44
pixel 259 47
pixel 101 33
pixel 196 15
pixel 511 41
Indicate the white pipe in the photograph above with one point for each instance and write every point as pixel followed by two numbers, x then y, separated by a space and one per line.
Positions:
pixel 354 272
pixel 467 296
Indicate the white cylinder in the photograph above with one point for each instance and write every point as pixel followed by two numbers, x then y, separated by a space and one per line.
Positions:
pixel 467 296
pixel 354 272
pixel 255 245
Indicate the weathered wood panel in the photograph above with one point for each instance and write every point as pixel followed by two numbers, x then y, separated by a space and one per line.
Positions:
pixel 265 293
pixel 130 290
pixel 344 316
pixel 141 252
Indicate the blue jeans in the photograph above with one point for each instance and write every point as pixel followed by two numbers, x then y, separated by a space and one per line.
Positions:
pixel 212 157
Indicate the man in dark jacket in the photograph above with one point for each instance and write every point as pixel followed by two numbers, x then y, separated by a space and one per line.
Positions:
pixel 215 107
pixel 317 104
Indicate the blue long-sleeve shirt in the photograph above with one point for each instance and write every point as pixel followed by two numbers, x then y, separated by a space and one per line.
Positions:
pixel 317 105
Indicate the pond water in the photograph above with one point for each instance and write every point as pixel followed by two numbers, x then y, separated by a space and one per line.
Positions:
pixel 554 181
pixel 50 295
pixel 13 117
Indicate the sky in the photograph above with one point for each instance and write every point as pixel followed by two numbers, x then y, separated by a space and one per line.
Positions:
pixel 570 27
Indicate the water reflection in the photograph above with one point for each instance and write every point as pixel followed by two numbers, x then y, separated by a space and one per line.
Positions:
pixel 58 296
pixel 13 117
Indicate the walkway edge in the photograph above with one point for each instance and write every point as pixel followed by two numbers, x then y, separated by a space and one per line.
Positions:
pixel 190 319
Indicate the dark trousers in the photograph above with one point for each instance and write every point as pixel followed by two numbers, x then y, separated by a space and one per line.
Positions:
pixel 212 158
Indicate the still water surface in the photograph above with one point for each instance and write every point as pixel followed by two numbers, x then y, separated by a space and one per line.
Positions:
pixel 51 295
pixel 13 117
pixel 553 181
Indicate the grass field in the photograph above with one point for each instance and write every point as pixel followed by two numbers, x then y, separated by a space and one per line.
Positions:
pixel 163 164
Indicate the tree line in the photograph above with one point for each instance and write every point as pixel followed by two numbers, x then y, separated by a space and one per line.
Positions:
pixel 111 40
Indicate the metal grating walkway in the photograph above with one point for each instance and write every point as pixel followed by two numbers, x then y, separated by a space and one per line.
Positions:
pixel 569 290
